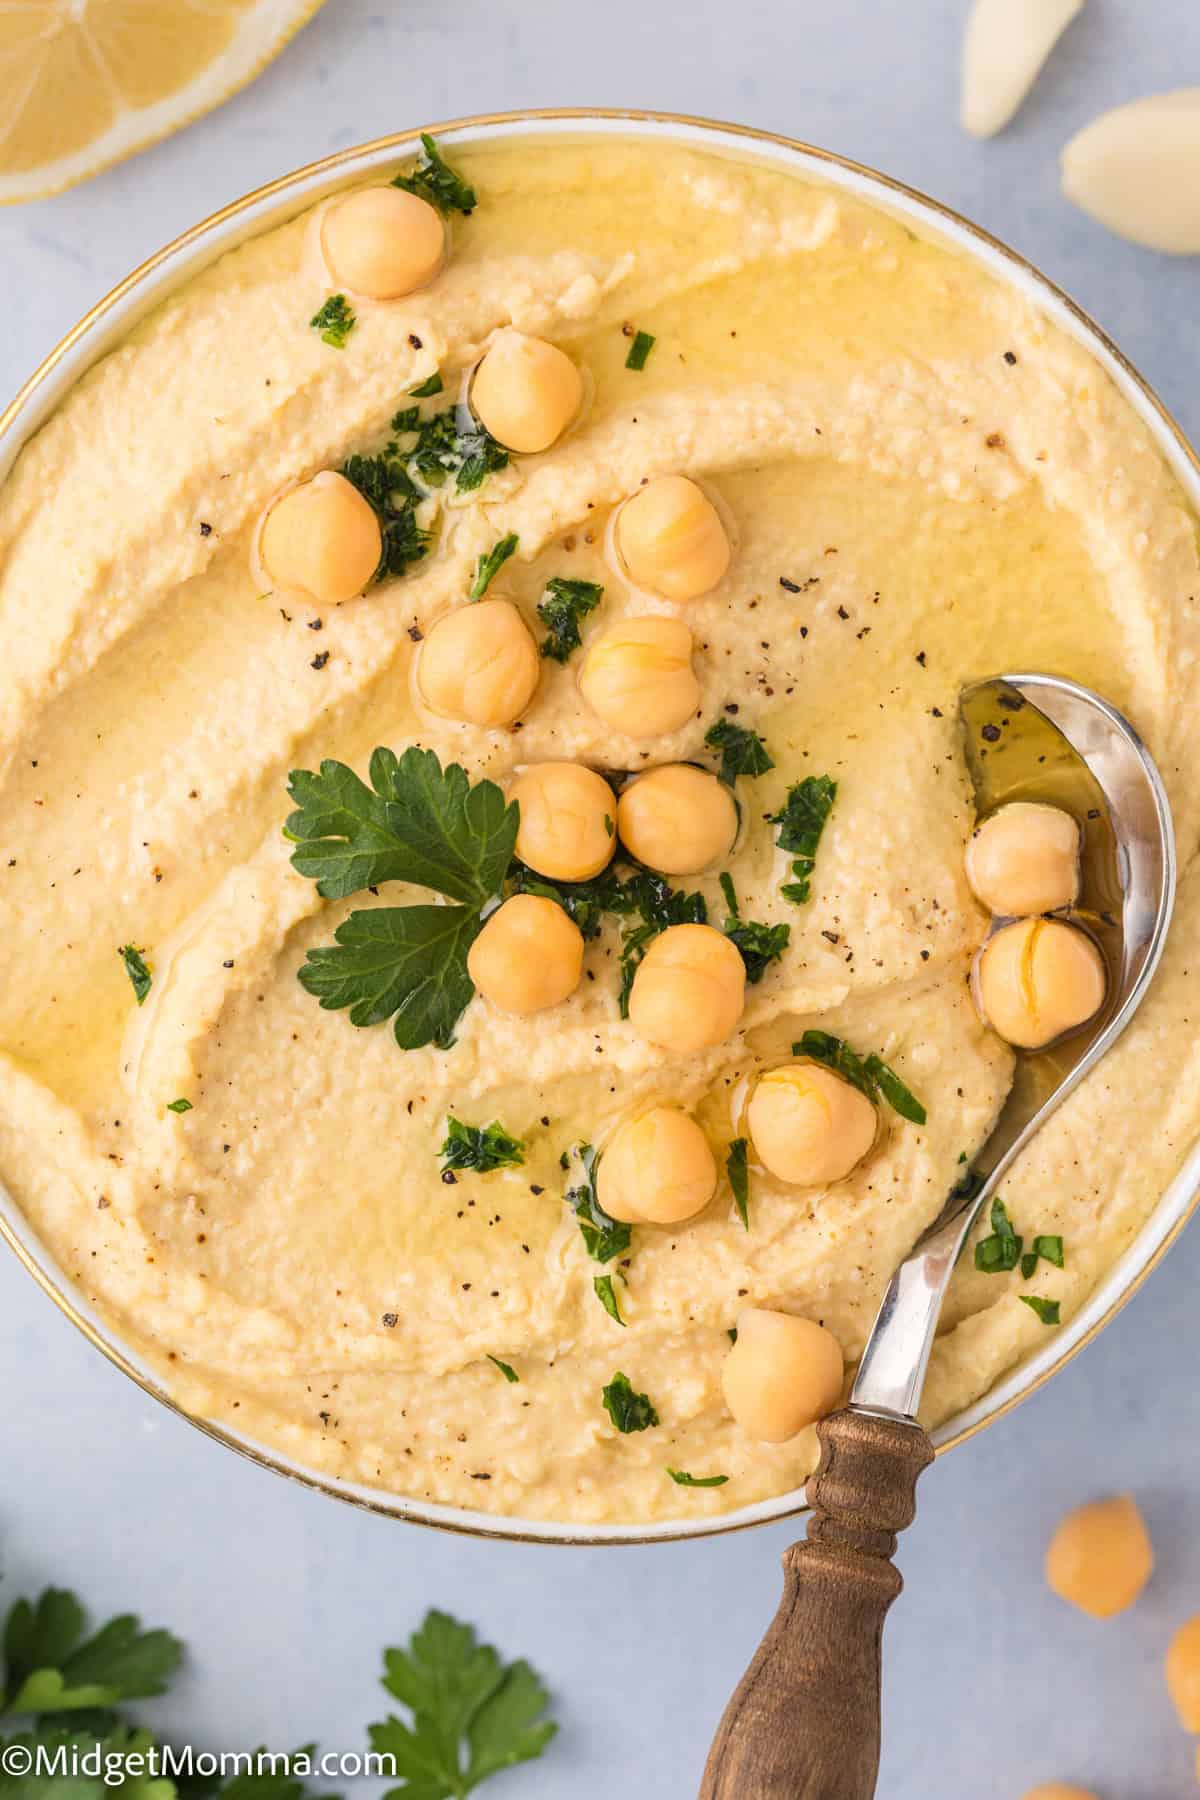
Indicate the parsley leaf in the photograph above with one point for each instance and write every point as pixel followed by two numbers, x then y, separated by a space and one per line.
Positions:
pixel 425 390
pixel 384 482
pixel 454 443
pixel 681 1478
pixel 490 564
pixel 472 1715
pixel 335 321
pixel 481 1148
pixel 639 350
pixel 1000 1253
pixel 137 970
pixel 179 1106
pixel 1048 1311
pixel 407 961
pixel 870 1075
pixel 422 824
pixel 627 1410
pixel 114 1749
pixel 743 752
pixel 603 1237
pixel 607 1296
pixel 760 945
pixel 586 902
pixel 434 180
pixel 739 1178
pixel 1050 1249
pixel 506 1369
pixel 50 1666
pixel 560 609
pixel 801 819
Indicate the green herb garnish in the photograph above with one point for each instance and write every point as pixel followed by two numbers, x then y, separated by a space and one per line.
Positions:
pixel 335 321
pixel 739 1178
pixel 52 1666
pixel 416 823
pixel 639 350
pixel 425 390
pixel 681 1478
pixel 658 905
pixel 506 1369
pixel 801 819
pixel 760 944
pixel 560 609
pixel 603 1237
pixel 480 1148
pixel 386 484
pixel 490 564
pixel 627 1410
pixel 138 971
pixel 434 180
pixel 870 1074
pixel 586 902
pixel 606 1294
pixel 179 1106
pixel 472 1714
pixel 1000 1253
pixel 1048 1311
pixel 743 752
pixel 452 442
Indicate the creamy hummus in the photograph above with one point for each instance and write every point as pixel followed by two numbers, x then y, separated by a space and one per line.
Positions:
pixel 925 482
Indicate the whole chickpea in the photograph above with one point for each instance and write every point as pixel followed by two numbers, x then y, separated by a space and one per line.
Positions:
pixel 671 539
pixel 689 989
pixel 528 956
pixel 1100 1557
pixel 782 1374
pixel 1183 1673
pixel 1025 859
pixel 808 1126
pixel 479 664
pixel 677 819
pixel 657 1169
pixel 322 539
pixel 525 392
pixel 1039 978
pixel 567 831
pixel 638 676
pixel 383 242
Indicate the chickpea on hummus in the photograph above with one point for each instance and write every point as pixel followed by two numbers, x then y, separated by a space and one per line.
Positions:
pixel 492 893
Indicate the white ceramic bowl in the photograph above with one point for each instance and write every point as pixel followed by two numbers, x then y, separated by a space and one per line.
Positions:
pixel 111 320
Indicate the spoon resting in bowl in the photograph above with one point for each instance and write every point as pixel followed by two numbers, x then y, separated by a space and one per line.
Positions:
pixel 804 1721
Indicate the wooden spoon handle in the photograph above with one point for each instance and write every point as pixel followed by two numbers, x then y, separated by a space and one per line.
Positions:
pixel 804 1722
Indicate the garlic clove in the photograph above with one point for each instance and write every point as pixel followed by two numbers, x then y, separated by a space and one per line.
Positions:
pixel 1006 44
pixel 1137 170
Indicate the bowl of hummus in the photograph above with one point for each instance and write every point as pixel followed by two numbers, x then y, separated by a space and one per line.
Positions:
pixel 484 823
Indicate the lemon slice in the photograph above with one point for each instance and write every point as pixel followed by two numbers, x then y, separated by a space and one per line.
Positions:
pixel 84 83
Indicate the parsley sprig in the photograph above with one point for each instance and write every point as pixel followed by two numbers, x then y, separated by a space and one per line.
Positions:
pixel 52 1666
pixel 480 1148
pixel 417 823
pixel 560 609
pixel 869 1074
pixel 801 820
pixel 434 180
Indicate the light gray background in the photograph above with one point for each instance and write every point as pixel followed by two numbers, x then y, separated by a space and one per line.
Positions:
pixel 286 1598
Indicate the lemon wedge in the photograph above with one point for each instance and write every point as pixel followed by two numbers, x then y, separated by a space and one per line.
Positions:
pixel 84 83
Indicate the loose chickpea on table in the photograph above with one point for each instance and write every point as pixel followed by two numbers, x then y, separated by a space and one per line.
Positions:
pixel 1100 1557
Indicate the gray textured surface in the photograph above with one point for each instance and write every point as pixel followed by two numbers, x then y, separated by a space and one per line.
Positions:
pixel 286 1598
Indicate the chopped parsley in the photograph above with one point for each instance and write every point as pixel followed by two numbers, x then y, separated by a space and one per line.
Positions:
pixel 506 1369
pixel 606 1294
pixel 480 1148
pixel 490 564
pixel 335 321
pixel 639 350
pixel 560 609
pixel 416 823
pixel 385 482
pixel 801 820
pixel 1048 1311
pixel 627 1410
pixel 760 945
pixel 452 442
pixel 681 1478
pixel 425 390
pixel 743 752
pixel 739 1178
pixel 869 1074
pixel 434 180
pixel 1000 1253
pixel 586 902
pixel 604 1238
pixel 1045 1249
pixel 138 970
pixel 658 905
pixel 179 1106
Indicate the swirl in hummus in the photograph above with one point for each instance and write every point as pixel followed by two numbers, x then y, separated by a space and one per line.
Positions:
pixel 852 472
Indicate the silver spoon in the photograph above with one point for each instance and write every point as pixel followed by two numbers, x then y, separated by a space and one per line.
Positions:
pixel 804 1722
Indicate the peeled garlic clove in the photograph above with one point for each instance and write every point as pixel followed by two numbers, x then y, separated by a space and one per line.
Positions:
pixel 1137 170
pixel 1006 43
